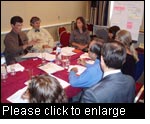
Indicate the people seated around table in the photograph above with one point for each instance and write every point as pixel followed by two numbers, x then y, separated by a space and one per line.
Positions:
pixel 128 67
pixel 41 34
pixel 115 87
pixel 45 89
pixel 112 32
pixel 92 74
pixel 80 36
pixel 16 42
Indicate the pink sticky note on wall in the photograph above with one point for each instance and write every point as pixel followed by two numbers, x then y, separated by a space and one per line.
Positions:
pixel 129 25
pixel 119 8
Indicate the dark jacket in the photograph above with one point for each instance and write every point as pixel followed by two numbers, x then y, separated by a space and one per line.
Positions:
pixel 114 88
pixel 129 66
pixel 12 48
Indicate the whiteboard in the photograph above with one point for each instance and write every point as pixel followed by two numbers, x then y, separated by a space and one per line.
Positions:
pixel 128 15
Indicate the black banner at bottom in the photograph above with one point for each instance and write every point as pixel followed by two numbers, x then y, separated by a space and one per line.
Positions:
pixel 73 111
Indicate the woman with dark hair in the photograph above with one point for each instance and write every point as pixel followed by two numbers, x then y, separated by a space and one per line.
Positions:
pixel 112 32
pixel 45 89
pixel 80 37
pixel 93 73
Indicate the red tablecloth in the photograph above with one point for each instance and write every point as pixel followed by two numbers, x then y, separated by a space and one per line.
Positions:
pixel 16 82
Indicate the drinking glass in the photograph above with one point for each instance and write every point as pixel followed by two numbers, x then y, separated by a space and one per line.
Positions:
pixel 3 77
pixel 43 56
pixel 12 70
pixel 3 73
pixel 65 60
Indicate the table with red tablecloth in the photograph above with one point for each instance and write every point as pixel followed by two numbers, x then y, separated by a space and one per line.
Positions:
pixel 16 82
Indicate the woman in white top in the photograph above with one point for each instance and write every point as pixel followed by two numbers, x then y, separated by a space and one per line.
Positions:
pixel 45 40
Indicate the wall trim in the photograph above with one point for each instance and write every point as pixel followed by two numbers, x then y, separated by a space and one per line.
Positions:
pixel 44 26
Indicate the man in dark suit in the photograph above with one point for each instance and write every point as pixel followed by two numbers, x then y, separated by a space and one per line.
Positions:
pixel 115 87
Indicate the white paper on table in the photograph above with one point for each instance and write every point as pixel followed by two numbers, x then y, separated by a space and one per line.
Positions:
pixel 51 68
pixel 16 66
pixel 31 55
pixel 27 82
pixel 85 55
pixel 80 68
pixel 67 51
pixel 16 97
pixel 47 56
pixel 90 62
pixel 63 83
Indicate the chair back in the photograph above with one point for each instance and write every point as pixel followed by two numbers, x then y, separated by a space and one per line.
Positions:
pixel 60 30
pixel 90 27
pixel 64 39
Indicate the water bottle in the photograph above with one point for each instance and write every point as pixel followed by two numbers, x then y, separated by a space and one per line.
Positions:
pixel 3 68
pixel 58 54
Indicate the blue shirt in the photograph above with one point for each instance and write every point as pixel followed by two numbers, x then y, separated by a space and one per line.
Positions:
pixel 91 76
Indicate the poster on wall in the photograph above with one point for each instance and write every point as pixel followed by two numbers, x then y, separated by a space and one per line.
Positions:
pixel 128 15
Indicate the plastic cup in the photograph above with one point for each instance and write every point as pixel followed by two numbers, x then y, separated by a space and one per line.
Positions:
pixel 65 60
pixel 12 69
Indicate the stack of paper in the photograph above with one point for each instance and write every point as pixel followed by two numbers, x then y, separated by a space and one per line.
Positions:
pixel 31 55
pixel 67 51
pixel 85 55
pixel 16 97
pixel 51 68
pixel 80 68
pixel 16 66
pixel 47 56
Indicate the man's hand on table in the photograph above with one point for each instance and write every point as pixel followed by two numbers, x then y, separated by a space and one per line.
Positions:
pixel 74 69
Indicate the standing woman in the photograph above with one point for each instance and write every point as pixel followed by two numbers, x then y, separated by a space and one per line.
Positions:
pixel 80 37
pixel 132 57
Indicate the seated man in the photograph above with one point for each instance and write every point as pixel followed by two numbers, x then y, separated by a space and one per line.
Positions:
pixel 115 87
pixel 41 34
pixel 16 41
pixel 92 75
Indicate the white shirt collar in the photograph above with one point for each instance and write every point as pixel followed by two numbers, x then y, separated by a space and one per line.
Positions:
pixel 111 72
